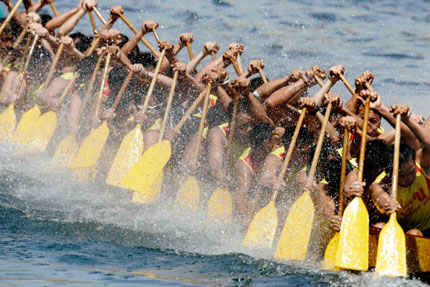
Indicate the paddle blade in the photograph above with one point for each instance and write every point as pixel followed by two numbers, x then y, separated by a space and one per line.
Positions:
pixel 7 124
pixel 391 256
pixel 151 194
pixel 23 131
pixel 220 205
pixel 66 152
pixel 143 174
pixel 43 131
pixel 353 250
pixel 262 229
pixel 294 240
pixel 188 196
pixel 128 154
pixel 91 147
pixel 330 253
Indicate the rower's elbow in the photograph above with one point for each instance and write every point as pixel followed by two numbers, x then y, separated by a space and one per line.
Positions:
pixel 269 104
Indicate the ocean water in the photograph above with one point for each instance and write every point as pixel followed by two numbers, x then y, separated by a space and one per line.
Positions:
pixel 56 232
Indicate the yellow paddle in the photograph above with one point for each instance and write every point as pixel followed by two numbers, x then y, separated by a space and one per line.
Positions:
pixel 133 179
pixel 353 248
pixel 68 147
pixel 294 240
pixel 391 256
pixel 28 119
pixel 331 249
pixel 91 147
pixel 9 17
pixel 220 204
pixel 160 153
pixel 262 229
pixel 188 196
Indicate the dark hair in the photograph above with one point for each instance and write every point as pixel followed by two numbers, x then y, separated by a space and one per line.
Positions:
pixel 216 115
pixel 12 27
pixel 85 69
pixel 304 138
pixel 406 155
pixel 328 160
pixel 82 42
pixel 242 107
pixel 45 18
pixel 378 157
pixel 145 58
pixel 259 133
pixel 255 83
pixel 40 56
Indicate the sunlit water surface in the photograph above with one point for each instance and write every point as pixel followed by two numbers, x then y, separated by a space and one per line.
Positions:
pixel 55 232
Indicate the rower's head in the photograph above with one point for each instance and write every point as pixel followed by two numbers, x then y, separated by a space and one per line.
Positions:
pixel 85 69
pixel 244 121
pixel 261 136
pixel 407 166
pixel 255 83
pixel 378 158
pixel 145 58
pixel 374 120
pixel 81 41
pixel 9 35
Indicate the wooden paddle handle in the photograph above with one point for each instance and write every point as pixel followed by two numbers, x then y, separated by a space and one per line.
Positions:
pixel 213 56
pixel 156 36
pixel 154 80
pixel 93 24
pixel 197 101
pixel 363 140
pixel 90 85
pixel 99 15
pixel 190 51
pixel 9 17
pixel 290 151
pixel 343 169
pixel 232 125
pixel 144 41
pixel 67 89
pixel 54 9
pixel 168 106
pixel 102 87
pixel 369 87
pixel 347 84
pixel 395 178
pixel 319 80
pixel 236 68
pixel 239 63
pixel 30 53
pixel 94 45
pixel 14 46
pixel 320 142
pixel 263 77
pixel 122 90
pixel 54 64
pixel 202 124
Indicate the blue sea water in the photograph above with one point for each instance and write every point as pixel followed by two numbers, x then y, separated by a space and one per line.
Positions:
pixel 55 232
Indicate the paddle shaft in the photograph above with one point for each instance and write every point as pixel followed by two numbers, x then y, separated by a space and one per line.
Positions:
pixel 93 24
pixel 239 63
pixel 99 15
pixel 94 45
pixel 213 56
pixel 289 152
pixel 54 64
pixel 102 86
pixel 190 51
pixel 236 68
pixel 67 89
pixel 23 69
pixel 54 9
pixel 14 46
pixel 343 169
pixel 363 140
pixel 188 113
pixel 347 84
pixel 202 124
pixel 122 90
pixel 313 169
pixel 154 80
pixel 9 17
pixel 168 106
pixel 395 178
pixel 232 125
pixel 144 41
pixel 156 36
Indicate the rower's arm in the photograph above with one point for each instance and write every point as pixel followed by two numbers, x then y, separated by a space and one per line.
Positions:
pixel 132 43
pixel 382 199
pixel 60 19
pixel 269 88
pixel 195 62
pixel 71 22
pixel 423 136
pixel 224 97
pixel 217 165
pixel 269 171
pixel 283 95
pixel 241 198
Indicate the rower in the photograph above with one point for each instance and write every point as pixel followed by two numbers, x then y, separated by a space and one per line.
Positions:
pixel 412 204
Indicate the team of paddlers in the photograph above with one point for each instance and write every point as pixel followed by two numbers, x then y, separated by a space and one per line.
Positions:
pixel 226 132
